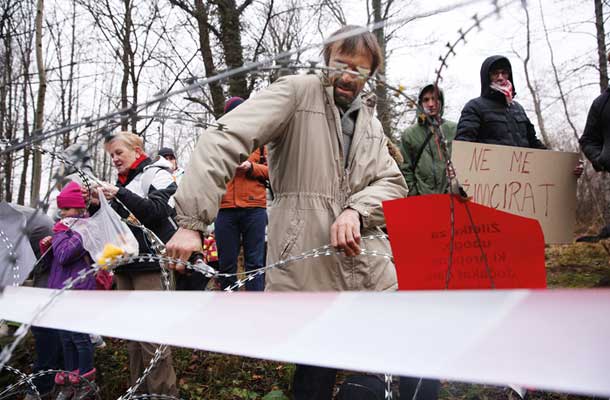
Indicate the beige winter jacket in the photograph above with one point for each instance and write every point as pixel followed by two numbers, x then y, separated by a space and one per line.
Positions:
pixel 298 121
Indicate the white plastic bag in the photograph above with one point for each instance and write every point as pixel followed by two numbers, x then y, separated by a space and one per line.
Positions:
pixel 105 227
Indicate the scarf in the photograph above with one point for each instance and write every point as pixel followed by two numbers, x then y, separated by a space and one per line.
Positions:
pixel 348 125
pixel 63 224
pixel 138 161
pixel 506 90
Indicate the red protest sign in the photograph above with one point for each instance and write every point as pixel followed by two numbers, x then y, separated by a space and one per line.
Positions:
pixel 420 236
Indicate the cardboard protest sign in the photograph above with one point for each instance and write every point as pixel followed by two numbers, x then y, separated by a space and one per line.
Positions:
pixel 510 255
pixel 532 183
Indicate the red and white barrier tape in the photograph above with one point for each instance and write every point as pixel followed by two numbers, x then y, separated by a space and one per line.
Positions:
pixel 557 340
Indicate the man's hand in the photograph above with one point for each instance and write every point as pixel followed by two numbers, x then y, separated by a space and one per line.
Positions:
pixel 245 166
pixel 345 232
pixel 579 169
pixel 184 243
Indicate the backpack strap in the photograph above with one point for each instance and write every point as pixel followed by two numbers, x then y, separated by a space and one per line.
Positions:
pixel 415 161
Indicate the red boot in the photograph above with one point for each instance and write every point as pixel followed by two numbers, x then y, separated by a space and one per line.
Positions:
pixel 84 385
pixel 62 383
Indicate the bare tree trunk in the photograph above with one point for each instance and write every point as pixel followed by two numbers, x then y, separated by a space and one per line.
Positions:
pixel 535 97
pixel 230 37
pixel 63 85
pixel 71 73
pixel 5 114
pixel 201 14
pixel 126 49
pixel 26 129
pixel 39 118
pixel 383 108
pixel 601 45
pixel 134 98
pixel 50 181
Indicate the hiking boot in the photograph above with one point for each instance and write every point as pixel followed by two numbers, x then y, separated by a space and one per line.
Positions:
pixel 97 341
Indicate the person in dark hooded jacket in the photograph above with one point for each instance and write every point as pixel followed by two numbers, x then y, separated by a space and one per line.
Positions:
pixel 595 140
pixel 595 144
pixel 424 166
pixel 494 117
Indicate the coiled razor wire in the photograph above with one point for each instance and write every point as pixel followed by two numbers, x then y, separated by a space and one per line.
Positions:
pixel 25 379
pixel 162 96
pixel 455 188
pixel 200 267
pixel 6 242
pixel 158 245
pixel 29 380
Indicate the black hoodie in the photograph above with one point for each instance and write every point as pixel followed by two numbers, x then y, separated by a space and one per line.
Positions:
pixel 489 119
pixel 595 140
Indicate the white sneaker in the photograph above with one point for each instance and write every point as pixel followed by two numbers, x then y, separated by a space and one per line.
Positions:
pixel 97 341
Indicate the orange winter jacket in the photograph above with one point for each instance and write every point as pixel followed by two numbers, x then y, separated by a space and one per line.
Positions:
pixel 247 189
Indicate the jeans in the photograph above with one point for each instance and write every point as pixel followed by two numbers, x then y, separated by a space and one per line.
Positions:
pixel 313 383
pixel 48 356
pixel 234 225
pixel 78 351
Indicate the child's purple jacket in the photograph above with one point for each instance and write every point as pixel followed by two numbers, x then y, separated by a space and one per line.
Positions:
pixel 68 257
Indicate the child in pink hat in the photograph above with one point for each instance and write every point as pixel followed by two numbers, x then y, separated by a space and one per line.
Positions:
pixel 68 259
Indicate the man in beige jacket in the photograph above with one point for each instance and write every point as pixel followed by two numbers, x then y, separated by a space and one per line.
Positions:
pixel 330 170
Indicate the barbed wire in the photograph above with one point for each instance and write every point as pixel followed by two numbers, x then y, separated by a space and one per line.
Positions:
pixel 111 264
pixel 161 96
pixel 451 46
pixel 12 258
pixel 7 146
pixel 28 379
pixel 25 379
pixel 156 244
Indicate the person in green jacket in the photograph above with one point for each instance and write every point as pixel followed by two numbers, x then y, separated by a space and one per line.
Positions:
pixel 424 164
pixel 424 169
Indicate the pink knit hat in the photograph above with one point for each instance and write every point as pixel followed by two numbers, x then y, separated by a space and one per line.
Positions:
pixel 71 197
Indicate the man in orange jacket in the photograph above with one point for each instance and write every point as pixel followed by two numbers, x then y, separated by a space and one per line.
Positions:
pixel 243 216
